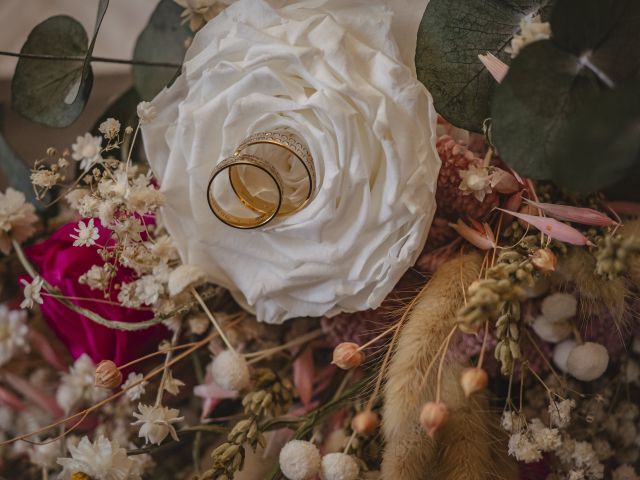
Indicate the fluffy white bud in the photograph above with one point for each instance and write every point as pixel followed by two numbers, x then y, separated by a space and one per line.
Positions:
pixel 299 460
pixel 549 331
pixel 230 370
pixel 559 306
pixel 561 353
pixel 339 466
pixel 588 361
pixel 182 277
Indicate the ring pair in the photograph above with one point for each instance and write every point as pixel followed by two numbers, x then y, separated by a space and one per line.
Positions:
pixel 256 192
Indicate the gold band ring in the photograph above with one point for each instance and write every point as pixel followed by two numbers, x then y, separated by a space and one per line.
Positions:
pixel 240 222
pixel 293 145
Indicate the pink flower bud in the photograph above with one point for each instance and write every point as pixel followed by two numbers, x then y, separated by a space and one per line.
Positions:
pixel 473 380
pixel 433 416
pixel 347 356
pixel 107 375
pixel 365 423
pixel 544 260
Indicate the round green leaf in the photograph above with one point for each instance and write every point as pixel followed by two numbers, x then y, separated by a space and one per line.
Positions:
pixel 536 100
pixel 52 91
pixel 163 40
pixel 452 35
pixel 564 112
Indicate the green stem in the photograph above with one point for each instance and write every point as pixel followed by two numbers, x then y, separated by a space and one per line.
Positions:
pixel 74 58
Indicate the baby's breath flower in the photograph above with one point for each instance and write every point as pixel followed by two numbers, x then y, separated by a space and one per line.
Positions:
pixel 78 384
pixel 110 128
pixel 560 412
pixel 134 393
pixel 32 292
pixel 87 151
pixel 44 178
pixel 532 29
pixel 172 385
pixel 156 422
pixel 199 12
pixel 146 112
pixel 97 277
pixel 87 234
pixel 16 218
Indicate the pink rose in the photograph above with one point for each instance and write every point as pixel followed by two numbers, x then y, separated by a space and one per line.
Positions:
pixel 61 264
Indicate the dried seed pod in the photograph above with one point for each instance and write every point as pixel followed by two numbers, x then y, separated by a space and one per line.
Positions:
pixel 365 423
pixel 347 356
pixel 433 416
pixel 107 375
pixel 473 380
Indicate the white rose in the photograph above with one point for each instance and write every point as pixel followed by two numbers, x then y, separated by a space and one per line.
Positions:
pixel 332 72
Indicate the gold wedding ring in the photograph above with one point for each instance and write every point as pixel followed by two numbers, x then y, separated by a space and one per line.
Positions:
pixel 251 196
pixel 238 221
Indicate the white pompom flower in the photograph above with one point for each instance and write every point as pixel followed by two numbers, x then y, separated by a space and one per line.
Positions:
pixel 587 362
pixel 561 353
pixel 339 466
pixel 552 332
pixel 558 307
pixel 230 370
pixel 299 460
pixel 183 277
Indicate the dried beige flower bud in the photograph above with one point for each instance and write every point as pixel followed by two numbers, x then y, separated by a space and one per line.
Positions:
pixel 347 356
pixel 473 380
pixel 107 375
pixel 433 416
pixel 544 260
pixel 365 423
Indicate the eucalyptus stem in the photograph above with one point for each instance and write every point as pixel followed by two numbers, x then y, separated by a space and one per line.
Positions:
pixel 76 58
pixel 113 324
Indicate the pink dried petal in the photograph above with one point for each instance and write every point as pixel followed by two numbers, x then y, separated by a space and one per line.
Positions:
pixel 583 216
pixel 624 209
pixel 496 67
pixel 483 241
pixel 37 396
pixel 504 182
pixel 303 375
pixel 513 202
pixel 10 400
pixel 45 349
pixel 553 228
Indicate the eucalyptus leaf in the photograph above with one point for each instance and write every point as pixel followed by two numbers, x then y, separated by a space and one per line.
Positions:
pixel 565 110
pixel 164 40
pixel 55 91
pixel 51 91
pixel 452 34
pixel 16 172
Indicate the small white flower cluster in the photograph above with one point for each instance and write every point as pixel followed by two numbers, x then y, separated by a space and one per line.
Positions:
pixel 17 218
pixel 156 422
pixel 77 385
pixel 529 443
pixel 580 460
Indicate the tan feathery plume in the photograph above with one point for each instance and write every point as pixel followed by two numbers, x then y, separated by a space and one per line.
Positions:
pixel 464 448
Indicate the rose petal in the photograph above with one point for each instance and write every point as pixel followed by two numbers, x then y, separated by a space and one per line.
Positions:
pixel 553 228
pixel 484 241
pixel 496 67
pixel 584 216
